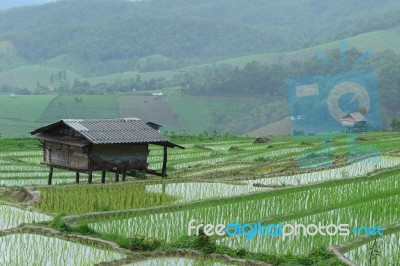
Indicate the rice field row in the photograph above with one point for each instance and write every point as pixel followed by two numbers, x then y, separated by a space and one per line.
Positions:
pixel 84 199
pixel 20 182
pixel 21 153
pixel 357 169
pixel 20 168
pixel 12 217
pixel 47 250
pixel 218 168
pixel 346 194
pixel 224 158
pixel 171 225
pixel 381 251
pixel 380 212
pixel 191 191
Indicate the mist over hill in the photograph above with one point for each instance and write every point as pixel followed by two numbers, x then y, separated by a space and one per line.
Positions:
pixel 19 3
pixel 94 37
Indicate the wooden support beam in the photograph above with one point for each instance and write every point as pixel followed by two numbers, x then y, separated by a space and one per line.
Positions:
pixel 77 177
pixel 116 176
pixel 103 177
pixel 123 176
pixel 163 189
pixel 164 165
pixel 90 178
pixel 50 175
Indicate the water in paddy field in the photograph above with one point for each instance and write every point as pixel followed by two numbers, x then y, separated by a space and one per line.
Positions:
pixel 12 217
pixel 49 251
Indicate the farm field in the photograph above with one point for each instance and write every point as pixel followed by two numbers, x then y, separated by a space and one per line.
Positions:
pixel 59 252
pixel 387 247
pixel 88 106
pixel 189 114
pixel 214 180
pixel 19 115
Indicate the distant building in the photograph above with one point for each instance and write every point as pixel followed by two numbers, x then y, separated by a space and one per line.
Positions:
pixel 12 95
pixel 354 122
pixel 157 94
pixel 120 146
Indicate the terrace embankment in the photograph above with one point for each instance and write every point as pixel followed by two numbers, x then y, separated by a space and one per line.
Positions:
pixel 31 229
pixel 131 255
pixel 25 196
pixel 186 253
pixel 340 250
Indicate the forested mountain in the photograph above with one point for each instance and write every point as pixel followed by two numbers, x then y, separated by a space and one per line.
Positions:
pixel 96 37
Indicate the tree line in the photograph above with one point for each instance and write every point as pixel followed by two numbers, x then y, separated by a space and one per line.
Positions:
pixel 98 37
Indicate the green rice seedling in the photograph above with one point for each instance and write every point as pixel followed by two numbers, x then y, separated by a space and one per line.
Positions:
pixel 171 225
pixel 191 191
pixel 12 217
pixel 32 249
pixel 379 212
pixel 383 251
pixel 95 198
pixel 357 169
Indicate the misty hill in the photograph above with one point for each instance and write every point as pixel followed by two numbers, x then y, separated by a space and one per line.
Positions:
pixel 19 3
pixel 97 37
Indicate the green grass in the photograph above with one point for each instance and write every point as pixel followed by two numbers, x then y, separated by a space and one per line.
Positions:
pixel 29 76
pixel 24 107
pixel 20 115
pixel 91 107
pixel 84 199
pixel 15 128
pixel 195 113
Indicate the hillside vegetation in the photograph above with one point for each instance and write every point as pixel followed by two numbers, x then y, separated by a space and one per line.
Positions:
pixel 72 48
pixel 97 37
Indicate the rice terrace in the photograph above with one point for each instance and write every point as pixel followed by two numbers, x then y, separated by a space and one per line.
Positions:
pixel 193 133
pixel 215 179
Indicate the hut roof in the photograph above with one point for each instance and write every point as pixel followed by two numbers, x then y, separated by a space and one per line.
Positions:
pixel 356 117
pixel 109 131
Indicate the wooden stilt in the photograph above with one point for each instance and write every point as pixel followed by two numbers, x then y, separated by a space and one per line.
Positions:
pixel 77 177
pixel 123 176
pixel 103 177
pixel 116 176
pixel 50 175
pixel 164 165
pixel 90 178
pixel 163 189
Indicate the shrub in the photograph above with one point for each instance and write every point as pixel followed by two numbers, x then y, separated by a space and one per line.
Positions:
pixel 59 224
pixel 84 229
pixel 138 243
pixel 140 175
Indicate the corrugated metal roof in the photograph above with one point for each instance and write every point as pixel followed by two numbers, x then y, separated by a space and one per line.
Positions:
pixel 353 117
pixel 358 116
pixel 111 131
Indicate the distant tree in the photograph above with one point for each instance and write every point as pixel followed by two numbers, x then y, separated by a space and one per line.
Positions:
pixel 362 110
pixel 395 124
